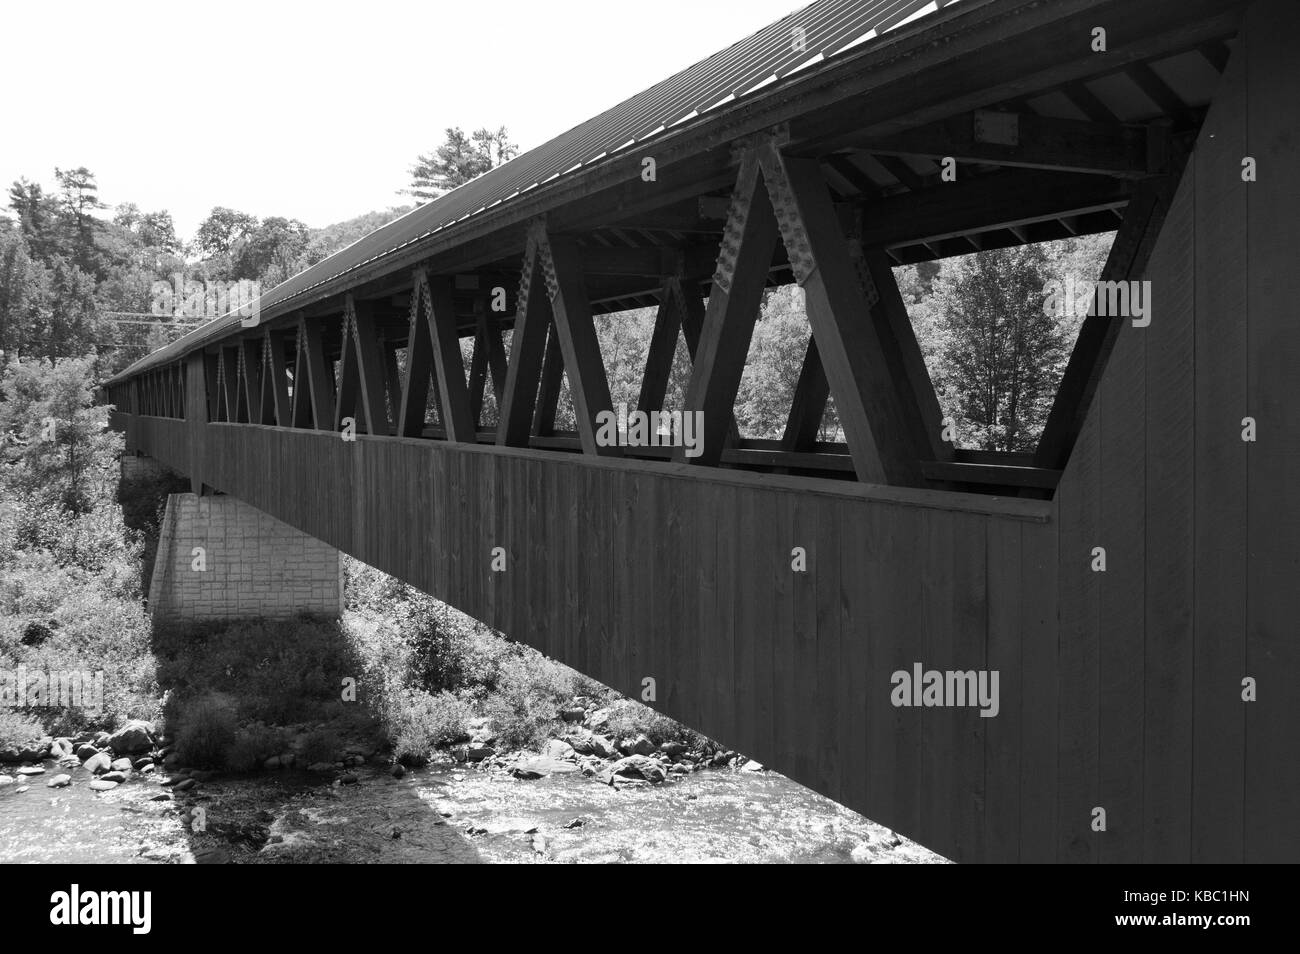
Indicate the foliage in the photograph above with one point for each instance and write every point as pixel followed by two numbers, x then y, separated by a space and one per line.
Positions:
pixel 525 706
pixel 207 728
pixel 628 718
pixel 459 159
pixel 419 722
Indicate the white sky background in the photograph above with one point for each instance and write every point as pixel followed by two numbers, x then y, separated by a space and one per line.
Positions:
pixel 316 111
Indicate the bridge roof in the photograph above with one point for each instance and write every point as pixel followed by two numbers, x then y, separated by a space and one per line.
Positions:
pixel 739 74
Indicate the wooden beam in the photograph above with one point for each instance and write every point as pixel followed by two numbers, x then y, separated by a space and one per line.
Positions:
pixel 663 348
pixel 1086 101
pixel 349 377
pixel 585 367
pixel 808 407
pixel 448 363
pixel 370 365
pixel 882 436
pixel 419 365
pixel 1021 139
pixel 514 425
pixel 903 352
pixel 320 382
pixel 998 200
pixel 275 383
pixel 230 377
pixel 1159 92
pixel 302 411
pixel 251 355
pixel 392 380
pixel 1127 261
pixel 748 242
pixel 548 395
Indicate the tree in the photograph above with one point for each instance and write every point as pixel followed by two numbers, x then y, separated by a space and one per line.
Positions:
pixel 272 251
pixel 63 446
pixel 459 159
pixel 223 227
pixel 79 197
pixel 1002 354
pixel 25 306
pixel 37 216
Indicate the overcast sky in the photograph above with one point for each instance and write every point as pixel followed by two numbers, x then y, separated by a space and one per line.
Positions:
pixel 317 111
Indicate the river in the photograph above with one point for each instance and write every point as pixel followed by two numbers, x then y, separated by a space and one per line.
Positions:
pixel 438 815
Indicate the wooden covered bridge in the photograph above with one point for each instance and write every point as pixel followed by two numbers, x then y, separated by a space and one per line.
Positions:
pixel 849 137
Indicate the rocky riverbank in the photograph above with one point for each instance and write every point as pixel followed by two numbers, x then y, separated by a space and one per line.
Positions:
pixel 586 797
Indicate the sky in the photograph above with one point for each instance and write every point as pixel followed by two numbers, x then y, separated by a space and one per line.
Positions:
pixel 317 111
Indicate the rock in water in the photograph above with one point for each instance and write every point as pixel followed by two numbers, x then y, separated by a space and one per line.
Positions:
pixel 59 781
pixel 99 785
pixel 122 765
pixel 113 777
pixel 86 751
pixel 31 770
pixel 135 736
pixel 558 749
pixel 638 767
pixel 99 763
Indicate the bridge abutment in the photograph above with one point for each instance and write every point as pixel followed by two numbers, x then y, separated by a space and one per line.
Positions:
pixel 219 558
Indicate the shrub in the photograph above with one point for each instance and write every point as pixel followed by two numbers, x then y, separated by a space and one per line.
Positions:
pixel 525 706
pixel 252 746
pixel 208 729
pixel 320 745
pixel 17 728
pixel 420 722
pixel 630 718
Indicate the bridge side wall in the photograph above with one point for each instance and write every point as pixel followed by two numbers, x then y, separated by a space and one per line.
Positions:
pixel 1201 528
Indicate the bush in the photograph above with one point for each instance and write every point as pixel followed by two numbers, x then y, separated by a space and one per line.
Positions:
pixel 525 706
pixel 629 718
pixel 419 722
pixel 17 728
pixel 320 745
pixel 252 746
pixel 280 671
pixel 208 729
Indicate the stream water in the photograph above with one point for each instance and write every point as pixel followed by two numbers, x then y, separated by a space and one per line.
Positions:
pixel 437 816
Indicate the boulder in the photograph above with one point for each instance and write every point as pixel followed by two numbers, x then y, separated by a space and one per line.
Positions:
pixel 478 751
pixel 122 765
pixel 184 785
pixel 573 715
pixel 589 743
pixel 638 767
pixel 636 746
pixel 134 737
pixel 31 770
pixel 398 770
pixel 113 777
pixel 558 749
pixel 140 763
pixel 86 751
pixel 99 785
pixel 541 766
pixel 673 749
pixel 60 749
pixel 59 781
pixel 598 720
pixel 752 766
pixel 99 763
